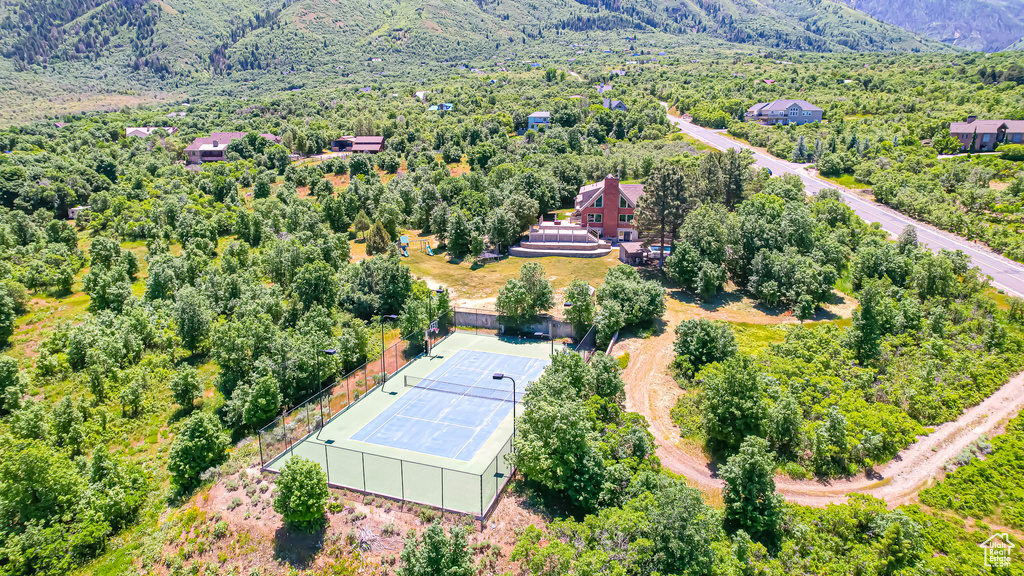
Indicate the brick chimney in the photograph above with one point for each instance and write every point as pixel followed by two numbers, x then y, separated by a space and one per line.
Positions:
pixel 971 119
pixel 611 193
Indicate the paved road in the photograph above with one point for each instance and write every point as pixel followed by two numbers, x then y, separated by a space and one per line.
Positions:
pixel 1004 273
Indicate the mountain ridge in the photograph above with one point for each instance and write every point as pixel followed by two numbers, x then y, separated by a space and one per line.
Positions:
pixel 127 50
pixel 983 25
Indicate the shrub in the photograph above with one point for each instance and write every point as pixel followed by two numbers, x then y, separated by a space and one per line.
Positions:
pixel 198 446
pixel 302 494
pixel 220 529
pixel 186 386
pixel 700 342
pixel 1012 152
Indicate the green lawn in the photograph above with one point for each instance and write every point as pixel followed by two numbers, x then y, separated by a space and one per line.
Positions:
pixel 752 338
pixel 476 281
pixel 848 181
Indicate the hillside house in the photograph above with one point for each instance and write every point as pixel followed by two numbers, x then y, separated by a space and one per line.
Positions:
pixel 615 105
pixel 442 107
pixel 144 131
pixel 602 88
pixel 784 112
pixel 538 120
pixel 986 134
pixel 274 139
pixel 211 149
pixel 364 144
pixel 607 208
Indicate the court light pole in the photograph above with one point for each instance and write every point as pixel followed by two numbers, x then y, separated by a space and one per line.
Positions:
pixel 430 312
pixel 500 376
pixel 319 378
pixel 320 383
pixel 383 366
pixel 568 305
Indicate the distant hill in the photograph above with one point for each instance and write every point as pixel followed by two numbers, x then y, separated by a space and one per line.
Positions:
pixel 55 53
pixel 983 25
pixel 171 37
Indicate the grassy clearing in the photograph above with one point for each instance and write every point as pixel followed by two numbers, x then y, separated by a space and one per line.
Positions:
pixel 679 136
pixel 753 338
pixel 482 281
pixel 848 181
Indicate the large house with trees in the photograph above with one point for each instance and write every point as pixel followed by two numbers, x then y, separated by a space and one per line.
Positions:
pixel 211 149
pixel 607 208
pixel 985 135
pixel 365 144
pixel 145 131
pixel 784 112
pixel 215 147
pixel 538 120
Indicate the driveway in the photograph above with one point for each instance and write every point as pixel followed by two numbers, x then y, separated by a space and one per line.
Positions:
pixel 1004 273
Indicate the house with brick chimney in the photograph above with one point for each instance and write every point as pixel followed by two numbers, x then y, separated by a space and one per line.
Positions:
pixel 607 207
pixel 986 135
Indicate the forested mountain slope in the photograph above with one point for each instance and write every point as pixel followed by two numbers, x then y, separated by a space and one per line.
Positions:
pixel 170 37
pixel 985 25
pixel 69 56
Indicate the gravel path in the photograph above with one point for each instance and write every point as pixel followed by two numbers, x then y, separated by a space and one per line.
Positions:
pixel 651 391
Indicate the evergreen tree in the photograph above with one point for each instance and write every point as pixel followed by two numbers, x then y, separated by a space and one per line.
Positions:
pixel 377 240
pixel 664 203
pixel 361 223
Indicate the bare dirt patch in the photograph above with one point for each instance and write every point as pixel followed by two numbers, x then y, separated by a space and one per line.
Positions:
pixel 365 532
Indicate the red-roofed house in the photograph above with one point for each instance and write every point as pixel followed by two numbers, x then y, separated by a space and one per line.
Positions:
pixel 607 208
pixel 211 149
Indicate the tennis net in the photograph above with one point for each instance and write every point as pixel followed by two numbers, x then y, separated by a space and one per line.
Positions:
pixel 501 394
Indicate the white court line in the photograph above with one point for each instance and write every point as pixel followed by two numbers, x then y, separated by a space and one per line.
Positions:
pixel 435 422
pixel 452 365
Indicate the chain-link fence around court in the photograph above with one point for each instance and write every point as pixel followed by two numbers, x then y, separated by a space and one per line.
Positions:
pixel 294 433
pixel 544 327
pixel 415 482
pixel 311 415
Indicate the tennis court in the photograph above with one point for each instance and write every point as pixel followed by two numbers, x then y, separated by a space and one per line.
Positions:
pixel 438 431
pixel 456 408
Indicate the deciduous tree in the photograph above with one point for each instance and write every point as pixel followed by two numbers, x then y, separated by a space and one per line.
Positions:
pixel 302 494
pixel 197 446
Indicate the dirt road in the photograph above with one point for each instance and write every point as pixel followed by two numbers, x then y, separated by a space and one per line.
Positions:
pixel 651 391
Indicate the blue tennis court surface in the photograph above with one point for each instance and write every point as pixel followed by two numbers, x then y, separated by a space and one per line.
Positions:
pixel 458 407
